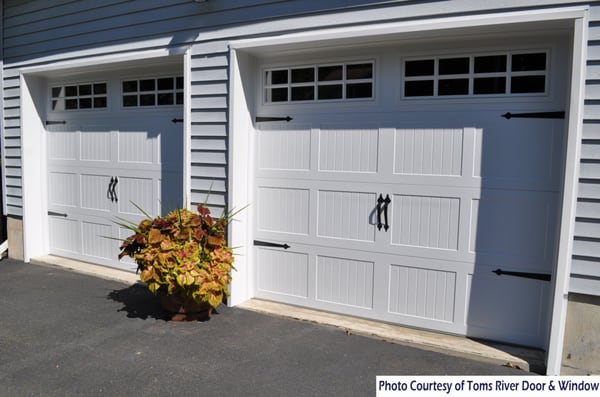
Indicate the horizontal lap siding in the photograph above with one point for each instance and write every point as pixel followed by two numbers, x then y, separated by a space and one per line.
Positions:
pixel 209 102
pixel 585 270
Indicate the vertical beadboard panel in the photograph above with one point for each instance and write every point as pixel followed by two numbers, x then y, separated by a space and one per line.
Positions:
pixel 422 293
pixel 428 151
pixel 429 222
pixel 284 148
pixel 282 272
pixel 346 215
pixel 283 210
pixel 345 281
pixel 348 150
pixel 93 192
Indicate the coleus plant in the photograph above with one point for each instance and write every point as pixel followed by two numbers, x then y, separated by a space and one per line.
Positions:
pixel 182 253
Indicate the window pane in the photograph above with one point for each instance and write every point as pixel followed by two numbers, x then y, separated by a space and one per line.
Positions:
pixel 453 87
pixel 490 64
pixel 359 71
pixel 85 89
pixel 331 73
pixel 279 76
pixel 99 102
pixel 489 85
pixel 165 83
pixel 418 88
pixel 279 95
pixel 147 100
pixel 165 99
pixel 303 93
pixel 100 88
pixel 179 98
pixel 419 68
pixel 71 90
pixel 56 92
pixel 361 90
pixel 85 103
pixel 71 104
pixel 179 83
pixel 454 66
pixel 147 85
pixel 330 91
pixel 130 86
pixel 305 75
pixel 54 104
pixel 527 84
pixel 130 100
pixel 528 62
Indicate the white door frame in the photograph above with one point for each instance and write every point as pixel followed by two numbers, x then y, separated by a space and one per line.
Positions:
pixel 33 137
pixel 242 151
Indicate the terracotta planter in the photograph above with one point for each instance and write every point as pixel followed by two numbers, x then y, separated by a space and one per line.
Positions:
pixel 183 308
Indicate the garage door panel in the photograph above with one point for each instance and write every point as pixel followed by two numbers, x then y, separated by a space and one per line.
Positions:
pixel 283 210
pixel 282 272
pixel 136 191
pixel 425 293
pixel 62 145
pixel 65 235
pixel 514 228
pixel 425 221
pixel 285 147
pixel 346 215
pixel 95 145
pixel 348 149
pixel 345 281
pixel 428 151
pixel 493 299
pixel 95 240
pixel 521 153
pixel 94 191
pixel 138 147
pixel 65 191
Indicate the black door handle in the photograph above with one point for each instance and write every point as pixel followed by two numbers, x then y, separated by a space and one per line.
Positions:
pixel 109 192
pixel 380 201
pixel 386 202
pixel 114 192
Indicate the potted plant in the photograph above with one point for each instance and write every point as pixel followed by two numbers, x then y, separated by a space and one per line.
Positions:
pixel 183 258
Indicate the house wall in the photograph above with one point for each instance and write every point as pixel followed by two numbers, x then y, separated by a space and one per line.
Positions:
pixel 41 32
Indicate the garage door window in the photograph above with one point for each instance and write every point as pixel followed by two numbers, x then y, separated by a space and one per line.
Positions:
pixel 79 96
pixel 163 91
pixel 498 74
pixel 319 83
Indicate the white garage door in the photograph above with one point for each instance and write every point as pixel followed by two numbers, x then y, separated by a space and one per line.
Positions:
pixel 112 145
pixel 402 211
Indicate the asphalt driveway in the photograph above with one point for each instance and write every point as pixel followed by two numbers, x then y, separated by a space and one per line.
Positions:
pixel 67 334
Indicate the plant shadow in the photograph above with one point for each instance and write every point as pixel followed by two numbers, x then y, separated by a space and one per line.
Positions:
pixel 138 302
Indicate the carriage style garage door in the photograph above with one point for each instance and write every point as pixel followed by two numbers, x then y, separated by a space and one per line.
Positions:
pixel 397 189
pixel 111 144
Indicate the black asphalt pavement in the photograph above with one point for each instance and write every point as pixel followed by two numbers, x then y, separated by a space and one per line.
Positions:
pixel 66 334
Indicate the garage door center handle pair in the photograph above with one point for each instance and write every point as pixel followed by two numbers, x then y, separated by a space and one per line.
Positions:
pixel 382 206
pixel 111 193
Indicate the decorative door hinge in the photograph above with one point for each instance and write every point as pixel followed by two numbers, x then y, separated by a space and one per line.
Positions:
pixel 541 115
pixel 534 276
pixel 269 244
pixel 259 119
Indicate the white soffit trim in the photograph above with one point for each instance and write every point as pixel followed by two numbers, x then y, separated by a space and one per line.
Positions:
pixel 101 62
pixel 387 31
